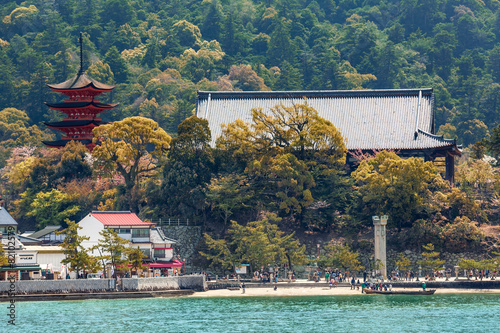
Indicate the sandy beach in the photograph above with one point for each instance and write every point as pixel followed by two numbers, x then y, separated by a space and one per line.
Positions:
pixel 316 291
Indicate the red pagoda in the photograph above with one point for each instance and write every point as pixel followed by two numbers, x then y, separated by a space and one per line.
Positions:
pixel 81 109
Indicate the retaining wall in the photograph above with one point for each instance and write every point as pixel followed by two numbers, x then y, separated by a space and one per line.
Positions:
pixel 195 282
pixel 57 286
pixel 461 284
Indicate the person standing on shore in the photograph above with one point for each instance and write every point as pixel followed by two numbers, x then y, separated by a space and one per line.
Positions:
pixel 243 288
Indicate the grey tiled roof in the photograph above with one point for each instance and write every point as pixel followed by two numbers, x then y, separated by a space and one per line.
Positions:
pixel 5 218
pixel 368 119
pixel 47 230
pixel 157 236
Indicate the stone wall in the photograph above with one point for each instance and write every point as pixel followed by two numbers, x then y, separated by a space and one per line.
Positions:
pixel 195 282
pixel 461 284
pixel 57 286
pixel 187 239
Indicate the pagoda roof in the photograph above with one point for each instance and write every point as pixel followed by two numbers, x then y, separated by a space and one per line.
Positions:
pixel 397 119
pixel 62 143
pixel 76 105
pixel 80 81
pixel 75 123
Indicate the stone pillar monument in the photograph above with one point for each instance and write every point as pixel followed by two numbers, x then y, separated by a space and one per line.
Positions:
pixel 380 244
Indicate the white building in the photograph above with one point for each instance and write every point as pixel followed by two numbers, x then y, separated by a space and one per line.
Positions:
pixel 144 235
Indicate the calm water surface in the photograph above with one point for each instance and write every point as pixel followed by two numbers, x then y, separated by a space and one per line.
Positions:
pixel 360 313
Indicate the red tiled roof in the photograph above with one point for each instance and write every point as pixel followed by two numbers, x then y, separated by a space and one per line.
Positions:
pixel 119 219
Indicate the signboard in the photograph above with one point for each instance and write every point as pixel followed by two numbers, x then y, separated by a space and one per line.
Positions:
pixel 26 258
pixel 242 269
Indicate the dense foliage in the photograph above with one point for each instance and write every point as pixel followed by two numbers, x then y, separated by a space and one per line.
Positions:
pixel 159 53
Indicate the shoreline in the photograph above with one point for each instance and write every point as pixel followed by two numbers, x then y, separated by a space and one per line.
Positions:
pixel 283 289
pixel 318 291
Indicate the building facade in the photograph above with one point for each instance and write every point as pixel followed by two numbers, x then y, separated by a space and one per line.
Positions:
pixel 157 248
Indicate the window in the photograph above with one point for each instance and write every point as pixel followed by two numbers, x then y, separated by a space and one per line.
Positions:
pixel 160 253
pixel 147 252
pixel 124 231
pixel 140 233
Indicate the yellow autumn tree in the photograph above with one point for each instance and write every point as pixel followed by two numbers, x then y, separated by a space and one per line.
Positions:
pixel 394 186
pixel 279 148
pixel 133 147
pixel 296 129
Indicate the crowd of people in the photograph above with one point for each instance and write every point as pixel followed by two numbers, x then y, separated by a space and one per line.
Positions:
pixel 376 286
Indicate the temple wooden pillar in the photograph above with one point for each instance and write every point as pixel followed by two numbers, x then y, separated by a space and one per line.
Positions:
pixel 450 169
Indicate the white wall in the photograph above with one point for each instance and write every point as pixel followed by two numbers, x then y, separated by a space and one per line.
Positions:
pixel 91 227
pixel 54 258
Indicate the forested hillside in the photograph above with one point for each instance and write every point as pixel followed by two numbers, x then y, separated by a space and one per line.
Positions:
pixel 158 53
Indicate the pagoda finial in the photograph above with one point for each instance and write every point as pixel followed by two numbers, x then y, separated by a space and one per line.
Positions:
pixel 81 71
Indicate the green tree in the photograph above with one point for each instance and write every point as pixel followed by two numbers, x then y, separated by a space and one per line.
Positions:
pixel 120 11
pixel 281 47
pixel 443 46
pixel 394 186
pixel 52 208
pixel 297 129
pixel 134 148
pixel 468 264
pixel 431 259
pixel 76 256
pixel 7 78
pixel 340 256
pixel 283 180
pixel 492 143
pixel 188 170
pixel 289 78
pixel 259 243
pixel 231 38
pixel 117 64
pixel 15 129
pixel 153 54
pixel 74 162
pixel 471 131
pixel 136 258
pixel 112 250
pixel 212 23
pixel 228 194
pixel 4 260
pixel 403 263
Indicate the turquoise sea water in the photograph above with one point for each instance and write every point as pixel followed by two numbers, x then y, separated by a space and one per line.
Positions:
pixel 359 313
